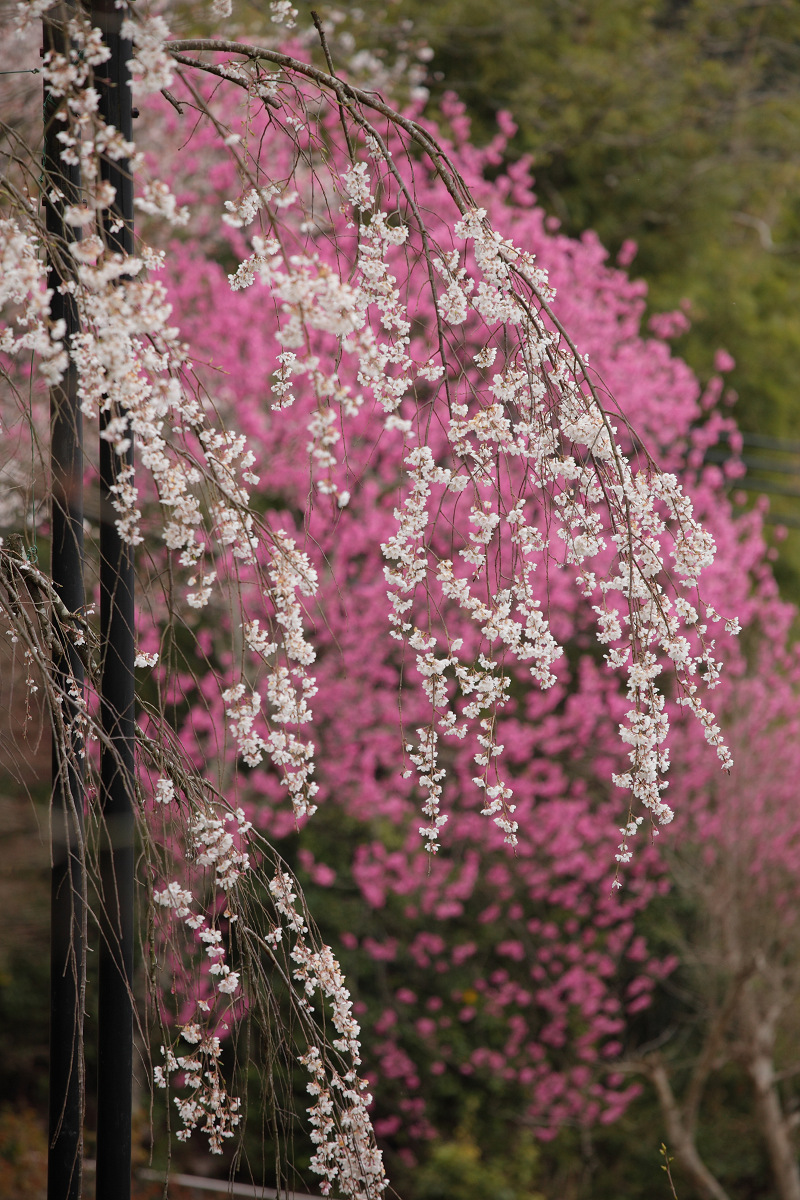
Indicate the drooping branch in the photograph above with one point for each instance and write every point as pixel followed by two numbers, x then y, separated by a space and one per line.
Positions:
pixel 67 1084
pixel 555 367
pixel 346 94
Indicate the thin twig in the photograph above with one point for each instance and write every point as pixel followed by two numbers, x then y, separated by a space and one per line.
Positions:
pixel 176 104
pixel 329 61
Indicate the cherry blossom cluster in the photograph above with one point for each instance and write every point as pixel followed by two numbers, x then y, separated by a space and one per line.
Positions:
pixel 131 364
pixel 22 277
pixel 179 900
pixel 563 402
pixel 345 1151
pixel 312 297
pixel 133 370
pixel 289 689
pixel 543 411
pixel 152 66
pixel 214 843
pixel 216 846
pixel 118 311
pixel 558 409
pixel 208 1104
pixel 540 422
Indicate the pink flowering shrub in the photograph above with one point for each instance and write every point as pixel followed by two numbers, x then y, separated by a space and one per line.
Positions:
pixel 513 971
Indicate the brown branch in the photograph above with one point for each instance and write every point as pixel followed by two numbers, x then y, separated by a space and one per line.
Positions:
pixel 678 1135
pixel 346 93
pixel 176 104
pixel 329 61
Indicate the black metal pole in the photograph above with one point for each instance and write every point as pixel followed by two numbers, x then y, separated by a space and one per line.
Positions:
pixel 67 897
pixel 115 1001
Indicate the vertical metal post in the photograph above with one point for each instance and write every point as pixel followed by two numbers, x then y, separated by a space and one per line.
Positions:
pixel 115 1002
pixel 67 905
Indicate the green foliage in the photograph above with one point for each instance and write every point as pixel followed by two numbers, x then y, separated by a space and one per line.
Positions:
pixel 675 124
pixel 459 1170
